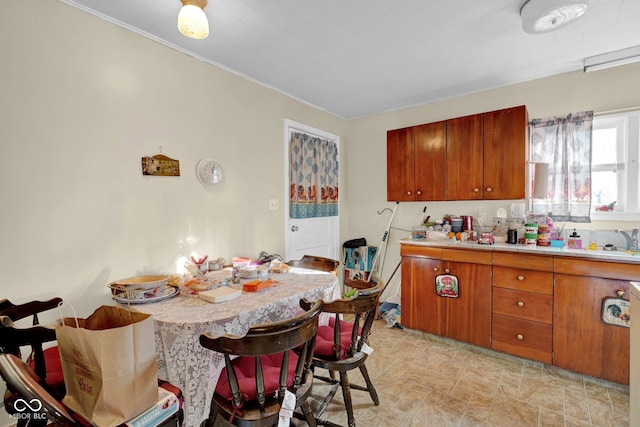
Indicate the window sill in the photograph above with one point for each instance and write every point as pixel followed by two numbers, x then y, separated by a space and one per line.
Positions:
pixel 615 216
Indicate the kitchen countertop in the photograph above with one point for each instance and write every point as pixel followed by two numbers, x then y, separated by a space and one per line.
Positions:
pixel 619 255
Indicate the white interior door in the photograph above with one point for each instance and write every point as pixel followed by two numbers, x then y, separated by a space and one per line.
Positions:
pixel 309 236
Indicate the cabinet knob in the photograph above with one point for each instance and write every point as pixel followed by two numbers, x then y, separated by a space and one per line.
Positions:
pixel 446 270
pixel 476 190
pixel 620 293
pixel 520 337
pixel 408 193
pixel 435 269
pixel 489 189
pixel 520 278
pixel 419 192
pixel 520 303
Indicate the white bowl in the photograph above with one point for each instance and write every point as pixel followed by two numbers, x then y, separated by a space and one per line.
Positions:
pixel 141 282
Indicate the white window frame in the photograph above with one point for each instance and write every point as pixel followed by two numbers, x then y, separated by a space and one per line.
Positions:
pixel 628 146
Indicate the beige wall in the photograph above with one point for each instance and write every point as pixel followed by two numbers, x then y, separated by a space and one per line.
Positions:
pixel 82 101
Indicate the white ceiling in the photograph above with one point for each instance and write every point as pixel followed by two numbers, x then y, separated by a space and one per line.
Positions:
pixel 355 58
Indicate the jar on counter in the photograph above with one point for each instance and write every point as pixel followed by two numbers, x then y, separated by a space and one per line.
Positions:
pixel 544 235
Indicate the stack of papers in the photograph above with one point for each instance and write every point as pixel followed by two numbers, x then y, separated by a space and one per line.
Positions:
pixel 220 294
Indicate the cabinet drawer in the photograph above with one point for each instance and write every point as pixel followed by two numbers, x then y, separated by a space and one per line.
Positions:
pixel 524 280
pixel 523 338
pixel 520 260
pixel 524 305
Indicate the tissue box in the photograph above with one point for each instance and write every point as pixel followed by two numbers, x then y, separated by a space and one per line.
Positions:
pixel 557 243
pixel 574 243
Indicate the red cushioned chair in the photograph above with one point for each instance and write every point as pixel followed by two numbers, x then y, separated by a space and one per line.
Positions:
pixel 342 346
pixel 252 386
pixel 45 362
pixel 36 406
pixel 43 365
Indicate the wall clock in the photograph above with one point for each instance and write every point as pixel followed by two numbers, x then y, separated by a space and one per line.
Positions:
pixel 209 171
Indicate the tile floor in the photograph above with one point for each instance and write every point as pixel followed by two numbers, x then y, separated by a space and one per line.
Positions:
pixel 423 380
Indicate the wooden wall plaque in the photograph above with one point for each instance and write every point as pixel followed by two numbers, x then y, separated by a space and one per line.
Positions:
pixel 160 165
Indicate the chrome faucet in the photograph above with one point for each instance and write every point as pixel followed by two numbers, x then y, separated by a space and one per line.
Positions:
pixel 632 241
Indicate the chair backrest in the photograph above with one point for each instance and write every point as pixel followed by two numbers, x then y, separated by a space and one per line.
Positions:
pixel 21 379
pixel 13 337
pixel 270 339
pixel 362 308
pixel 313 262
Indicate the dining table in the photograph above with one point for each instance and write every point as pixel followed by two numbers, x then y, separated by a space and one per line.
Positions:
pixel 179 321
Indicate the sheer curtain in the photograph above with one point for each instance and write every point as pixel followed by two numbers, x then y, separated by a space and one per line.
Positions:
pixel 565 144
pixel 313 174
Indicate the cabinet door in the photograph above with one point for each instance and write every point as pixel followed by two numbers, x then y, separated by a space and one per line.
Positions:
pixel 431 161
pixel 421 307
pixel 400 165
pixel 464 158
pixel 468 317
pixel 582 342
pixel 505 153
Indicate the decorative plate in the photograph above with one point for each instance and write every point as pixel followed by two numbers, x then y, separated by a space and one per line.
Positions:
pixel 163 294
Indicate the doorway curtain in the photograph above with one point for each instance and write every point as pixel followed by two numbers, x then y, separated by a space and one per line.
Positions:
pixel 313 176
pixel 565 144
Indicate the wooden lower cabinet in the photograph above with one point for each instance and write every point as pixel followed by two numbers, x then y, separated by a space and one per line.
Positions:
pixel 466 318
pixel 420 309
pixel 582 341
pixel 540 307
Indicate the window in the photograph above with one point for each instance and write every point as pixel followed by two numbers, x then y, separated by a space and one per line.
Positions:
pixel 615 181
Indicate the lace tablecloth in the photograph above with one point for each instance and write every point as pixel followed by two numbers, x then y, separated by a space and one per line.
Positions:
pixel 179 321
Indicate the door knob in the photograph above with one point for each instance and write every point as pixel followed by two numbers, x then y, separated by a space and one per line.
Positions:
pixel 294 228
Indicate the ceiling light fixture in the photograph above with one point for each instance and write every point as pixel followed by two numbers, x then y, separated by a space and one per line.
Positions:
pixel 192 21
pixel 612 59
pixel 542 16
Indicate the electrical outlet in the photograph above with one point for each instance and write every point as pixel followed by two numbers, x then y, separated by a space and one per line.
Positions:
pixel 273 204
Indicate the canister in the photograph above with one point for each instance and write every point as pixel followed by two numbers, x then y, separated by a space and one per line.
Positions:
pixel 544 235
pixel 467 222
pixel 531 234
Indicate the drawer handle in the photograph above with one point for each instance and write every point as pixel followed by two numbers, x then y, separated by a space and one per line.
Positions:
pixel 520 337
pixel 446 270
pixel 520 303
pixel 521 278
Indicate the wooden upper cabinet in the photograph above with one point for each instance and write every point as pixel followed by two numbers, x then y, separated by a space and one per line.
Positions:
pixel 400 165
pixel 505 153
pixel 477 157
pixel 464 158
pixel 431 161
pixel 416 163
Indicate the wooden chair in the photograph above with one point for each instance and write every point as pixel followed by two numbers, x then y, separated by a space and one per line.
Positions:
pixel 41 377
pixel 38 407
pixel 342 346
pixel 252 386
pixel 23 380
pixel 316 263
pixel 45 362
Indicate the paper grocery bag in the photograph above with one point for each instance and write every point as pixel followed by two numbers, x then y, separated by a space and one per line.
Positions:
pixel 109 365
